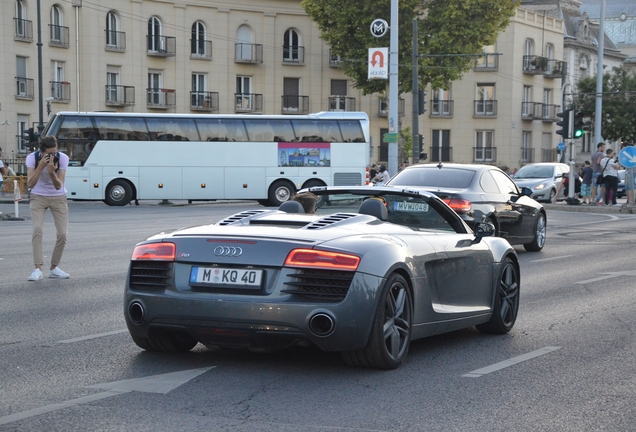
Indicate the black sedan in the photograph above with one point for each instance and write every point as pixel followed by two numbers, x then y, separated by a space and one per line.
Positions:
pixel 482 193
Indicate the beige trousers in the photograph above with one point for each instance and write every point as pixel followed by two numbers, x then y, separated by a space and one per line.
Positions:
pixel 59 209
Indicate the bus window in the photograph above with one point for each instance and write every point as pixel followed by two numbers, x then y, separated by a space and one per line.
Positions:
pixel 121 128
pixel 172 129
pixel 76 127
pixel 274 130
pixel 351 131
pixel 317 130
pixel 221 129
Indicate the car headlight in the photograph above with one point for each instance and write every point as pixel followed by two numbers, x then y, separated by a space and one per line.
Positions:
pixel 540 186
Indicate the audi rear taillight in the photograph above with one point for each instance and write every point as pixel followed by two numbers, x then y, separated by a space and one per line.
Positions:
pixel 459 205
pixel 311 258
pixel 155 252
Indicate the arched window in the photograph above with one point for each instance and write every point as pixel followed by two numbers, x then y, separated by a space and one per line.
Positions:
pixel 197 42
pixel 529 47
pixel 57 21
pixel 549 51
pixel 20 17
pixel 154 34
pixel 291 46
pixel 112 29
pixel 244 43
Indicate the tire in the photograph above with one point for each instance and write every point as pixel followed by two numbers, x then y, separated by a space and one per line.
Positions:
pixel 552 195
pixel 321 198
pixel 540 233
pixel 166 342
pixel 390 336
pixel 280 191
pixel 118 193
pixel 506 305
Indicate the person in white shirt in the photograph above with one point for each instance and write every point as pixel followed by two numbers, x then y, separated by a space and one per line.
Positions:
pixel 610 175
pixel 382 177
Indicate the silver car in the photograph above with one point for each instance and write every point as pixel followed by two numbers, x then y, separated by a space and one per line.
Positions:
pixel 543 179
pixel 374 269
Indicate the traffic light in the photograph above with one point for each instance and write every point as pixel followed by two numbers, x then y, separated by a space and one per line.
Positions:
pixel 578 129
pixel 30 135
pixel 421 102
pixel 565 124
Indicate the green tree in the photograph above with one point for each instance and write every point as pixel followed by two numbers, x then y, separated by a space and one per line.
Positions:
pixel 619 103
pixel 444 27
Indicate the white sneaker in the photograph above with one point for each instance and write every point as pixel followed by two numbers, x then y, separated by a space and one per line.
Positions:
pixel 36 275
pixel 58 273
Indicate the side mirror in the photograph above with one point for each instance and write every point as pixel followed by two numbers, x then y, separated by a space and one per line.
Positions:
pixel 483 229
pixel 526 191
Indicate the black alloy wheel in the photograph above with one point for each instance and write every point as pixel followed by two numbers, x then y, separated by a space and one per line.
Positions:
pixel 506 306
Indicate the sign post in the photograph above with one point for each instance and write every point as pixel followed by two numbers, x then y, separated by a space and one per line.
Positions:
pixel 378 63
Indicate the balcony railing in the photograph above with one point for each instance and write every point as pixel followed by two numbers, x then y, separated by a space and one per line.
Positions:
pixel 204 101
pixel 555 68
pixel 294 104
pixel 24 88
pixel 23 30
pixel 485 108
pixel 487 63
pixel 161 98
pixel 441 108
pixel 161 46
pixel 533 64
pixel 548 112
pixel 201 49
pixel 248 102
pixel 342 103
pixel 548 155
pixel 115 40
pixel 293 54
pixel 383 107
pixel 59 36
pixel 441 154
pixel 484 154
pixel 119 95
pixel 335 61
pixel 248 53
pixel 528 110
pixel 527 155
pixel 61 91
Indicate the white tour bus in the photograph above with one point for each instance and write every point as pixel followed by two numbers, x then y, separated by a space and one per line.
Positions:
pixel 119 157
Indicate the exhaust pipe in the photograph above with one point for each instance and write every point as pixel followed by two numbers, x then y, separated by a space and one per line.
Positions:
pixel 136 312
pixel 322 324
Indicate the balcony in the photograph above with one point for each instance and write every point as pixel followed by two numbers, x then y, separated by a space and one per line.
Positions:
pixel 442 108
pixel 200 49
pixel 248 53
pixel 161 46
pixel 528 110
pixel 248 102
pixel 204 101
pixel 59 36
pixel 441 154
pixel 547 112
pixel 548 155
pixel 294 104
pixel 534 65
pixel 342 103
pixel 383 107
pixel 527 155
pixel 119 95
pixel 61 91
pixel 555 68
pixel 24 88
pixel 293 55
pixel 334 60
pixel 484 154
pixel 485 109
pixel 115 41
pixel 23 30
pixel 487 63
pixel 161 98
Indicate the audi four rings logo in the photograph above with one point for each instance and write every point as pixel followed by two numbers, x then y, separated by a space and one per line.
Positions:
pixel 228 251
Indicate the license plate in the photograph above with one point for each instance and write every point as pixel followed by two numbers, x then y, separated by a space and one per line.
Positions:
pixel 226 277
pixel 403 206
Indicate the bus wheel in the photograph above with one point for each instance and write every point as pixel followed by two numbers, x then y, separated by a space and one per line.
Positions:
pixel 118 193
pixel 280 191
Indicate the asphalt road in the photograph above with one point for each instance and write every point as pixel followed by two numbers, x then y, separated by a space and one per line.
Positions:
pixel 68 364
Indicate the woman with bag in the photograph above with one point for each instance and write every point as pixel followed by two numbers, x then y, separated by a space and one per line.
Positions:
pixel 610 177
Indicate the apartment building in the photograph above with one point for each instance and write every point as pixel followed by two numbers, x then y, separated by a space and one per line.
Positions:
pixel 266 57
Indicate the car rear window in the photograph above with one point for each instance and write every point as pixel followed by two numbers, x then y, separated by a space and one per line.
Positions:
pixel 436 177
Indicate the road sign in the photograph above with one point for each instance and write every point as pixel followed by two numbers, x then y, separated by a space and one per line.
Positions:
pixel 390 137
pixel 627 157
pixel 379 27
pixel 561 146
pixel 378 63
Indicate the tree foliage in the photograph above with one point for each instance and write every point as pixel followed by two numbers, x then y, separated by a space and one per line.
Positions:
pixel 444 27
pixel 619 103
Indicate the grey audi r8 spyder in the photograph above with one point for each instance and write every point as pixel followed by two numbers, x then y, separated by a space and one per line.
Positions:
pixel 372 270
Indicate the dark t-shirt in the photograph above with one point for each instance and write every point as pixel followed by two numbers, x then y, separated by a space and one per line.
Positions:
pixel 586 173
pixel 596 157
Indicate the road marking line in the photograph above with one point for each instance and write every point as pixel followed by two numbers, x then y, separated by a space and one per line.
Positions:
pixel 94 336
pixel 608 275
pixel 555 258
pixel 510 362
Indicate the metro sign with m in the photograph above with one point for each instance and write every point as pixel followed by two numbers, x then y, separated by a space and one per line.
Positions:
pixel 378 63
